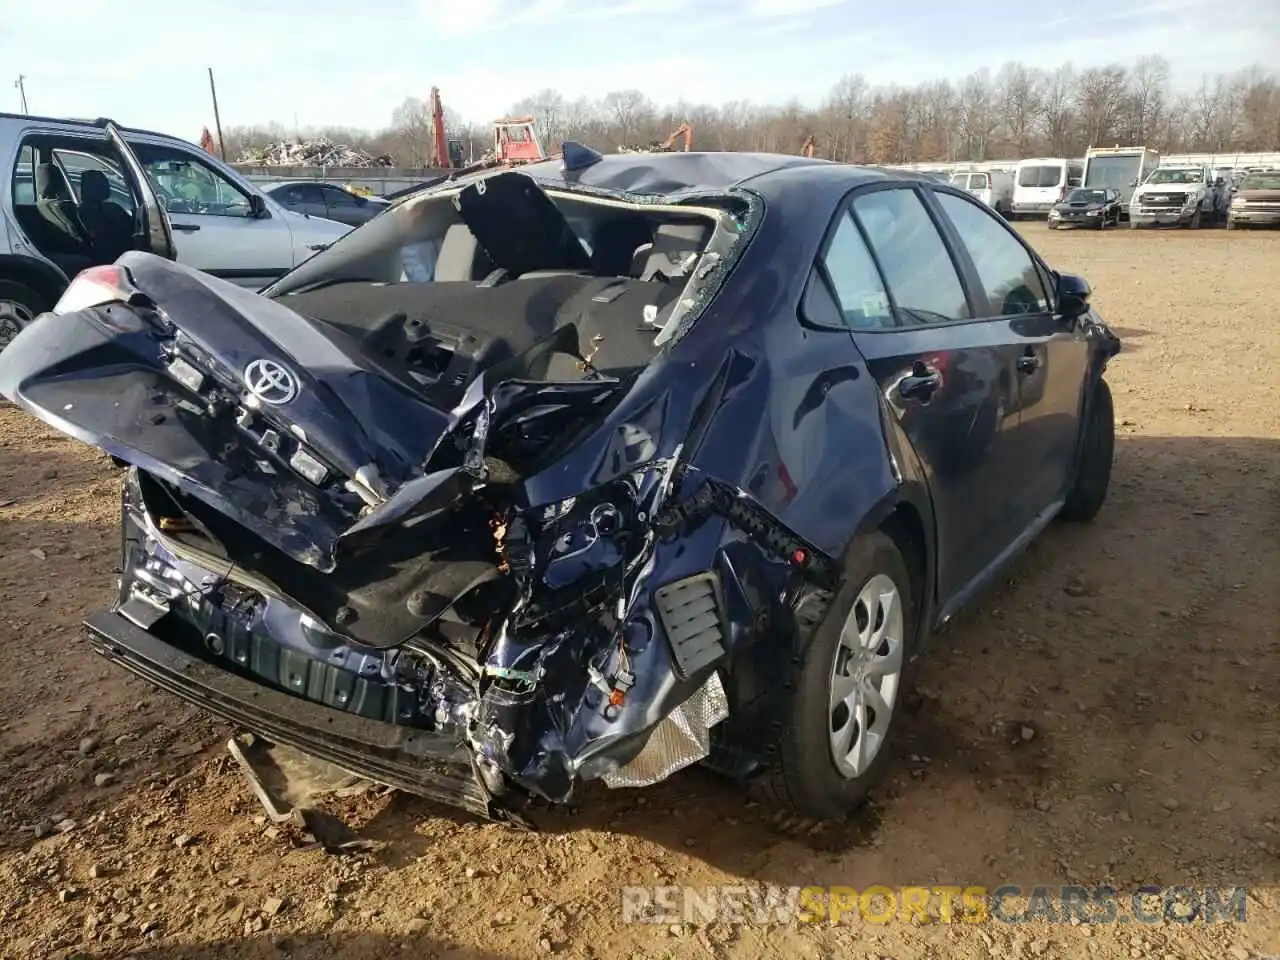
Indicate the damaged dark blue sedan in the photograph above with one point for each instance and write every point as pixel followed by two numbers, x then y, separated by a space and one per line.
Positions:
pixel 584 470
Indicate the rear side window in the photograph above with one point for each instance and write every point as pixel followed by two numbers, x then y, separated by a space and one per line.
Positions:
pixel 978 181
pixel 917 267
pixel 24 183
pixel 1007 271
pixel 855 279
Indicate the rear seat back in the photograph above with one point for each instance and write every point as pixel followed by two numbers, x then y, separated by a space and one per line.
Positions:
pixel 460 256
pixel 674 244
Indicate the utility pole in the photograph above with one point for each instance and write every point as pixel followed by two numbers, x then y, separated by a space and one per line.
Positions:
pixel 217 120
pixel 22 91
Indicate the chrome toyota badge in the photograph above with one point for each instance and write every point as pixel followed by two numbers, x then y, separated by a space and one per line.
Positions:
pixel 270 382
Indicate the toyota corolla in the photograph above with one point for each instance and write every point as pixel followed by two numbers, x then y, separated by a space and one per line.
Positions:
pixel 586 470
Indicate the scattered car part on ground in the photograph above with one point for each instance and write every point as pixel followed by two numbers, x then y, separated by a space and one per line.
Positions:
pixel 1256 202
pixel 542 478
pixel 1092 207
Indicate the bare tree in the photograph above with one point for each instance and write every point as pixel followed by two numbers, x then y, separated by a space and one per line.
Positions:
pixel 1019 91
pixel 978 118
pixel 627 112
pixel 1022 111
pixel 1148 90
pixel 1057 111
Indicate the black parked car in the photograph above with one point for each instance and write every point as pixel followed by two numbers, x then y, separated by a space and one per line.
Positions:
pixel 584 471
pixel 326 200
pixel 1096 207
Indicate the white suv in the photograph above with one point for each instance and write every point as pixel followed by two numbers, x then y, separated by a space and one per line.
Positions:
pixel 79 194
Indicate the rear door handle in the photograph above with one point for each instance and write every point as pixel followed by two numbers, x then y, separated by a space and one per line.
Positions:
pixel 1028 363
pixel 185 227
pixel 921 385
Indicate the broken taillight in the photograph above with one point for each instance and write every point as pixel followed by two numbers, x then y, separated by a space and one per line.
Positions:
pixel 94 287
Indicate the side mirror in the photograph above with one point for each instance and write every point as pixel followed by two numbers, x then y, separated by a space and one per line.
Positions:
pixel 257 206
pixel 1073 182
pixel 1073 295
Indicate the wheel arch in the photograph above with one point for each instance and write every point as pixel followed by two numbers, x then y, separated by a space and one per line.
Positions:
pixel 905 516
pixel 44 278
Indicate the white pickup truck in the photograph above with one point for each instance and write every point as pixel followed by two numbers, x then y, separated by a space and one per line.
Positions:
pixel 1185 196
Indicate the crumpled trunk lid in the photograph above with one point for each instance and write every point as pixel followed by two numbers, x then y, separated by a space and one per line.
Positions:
pixel 242 403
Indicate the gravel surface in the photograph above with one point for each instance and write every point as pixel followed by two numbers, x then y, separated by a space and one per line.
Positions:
pixel 1106 715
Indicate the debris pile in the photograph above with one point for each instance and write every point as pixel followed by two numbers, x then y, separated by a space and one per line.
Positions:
pixel 313 153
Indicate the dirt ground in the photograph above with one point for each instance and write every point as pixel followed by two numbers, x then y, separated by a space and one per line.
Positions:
pixel 1140 654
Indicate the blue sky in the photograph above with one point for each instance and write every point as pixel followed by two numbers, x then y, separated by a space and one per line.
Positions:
pixel 143 62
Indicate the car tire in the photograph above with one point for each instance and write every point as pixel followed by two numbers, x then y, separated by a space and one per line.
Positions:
pixel 1195 220
pixel 1097 452
pixel 802 774
pixel 19 305
pixel 1052 225
pixel 1231 224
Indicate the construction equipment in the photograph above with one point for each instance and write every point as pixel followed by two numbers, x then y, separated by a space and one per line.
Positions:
pixel 685 131
pixel 668 145
pixel 515 141
pixel 439 142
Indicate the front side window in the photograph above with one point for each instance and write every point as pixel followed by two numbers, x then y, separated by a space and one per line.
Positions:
pixel 918 269
pixel 1007 271
pixel 185 185
pixel 855 279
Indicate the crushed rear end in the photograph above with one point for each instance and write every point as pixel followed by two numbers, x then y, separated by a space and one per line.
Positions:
pixel 427 532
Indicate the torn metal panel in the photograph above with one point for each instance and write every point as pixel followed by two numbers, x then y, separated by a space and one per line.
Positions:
pixel 682 738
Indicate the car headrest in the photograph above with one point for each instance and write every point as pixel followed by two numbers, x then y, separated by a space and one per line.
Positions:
pixel 49 183
pixel 674 244
pixel 94 187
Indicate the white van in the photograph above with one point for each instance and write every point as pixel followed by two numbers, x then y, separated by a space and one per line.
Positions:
pixel 1041 182
pixel 992 187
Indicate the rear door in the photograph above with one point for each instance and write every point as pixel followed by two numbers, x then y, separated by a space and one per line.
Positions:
pixel 946 374
pixel 213 219
pixel 155 228
pixel 1050 356
pixel 344 206
pixel 304 198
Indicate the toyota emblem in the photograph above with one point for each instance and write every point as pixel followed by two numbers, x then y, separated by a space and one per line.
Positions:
pixel 270 382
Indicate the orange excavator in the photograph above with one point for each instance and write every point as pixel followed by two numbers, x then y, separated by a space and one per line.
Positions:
pixel 684 131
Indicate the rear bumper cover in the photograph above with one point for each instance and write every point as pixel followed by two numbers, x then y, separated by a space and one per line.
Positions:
pixel 430 765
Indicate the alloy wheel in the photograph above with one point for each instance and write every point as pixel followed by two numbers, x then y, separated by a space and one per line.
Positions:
pixel 13 317
pixel 866 676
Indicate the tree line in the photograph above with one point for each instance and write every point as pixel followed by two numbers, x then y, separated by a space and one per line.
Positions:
pixel 1017 111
